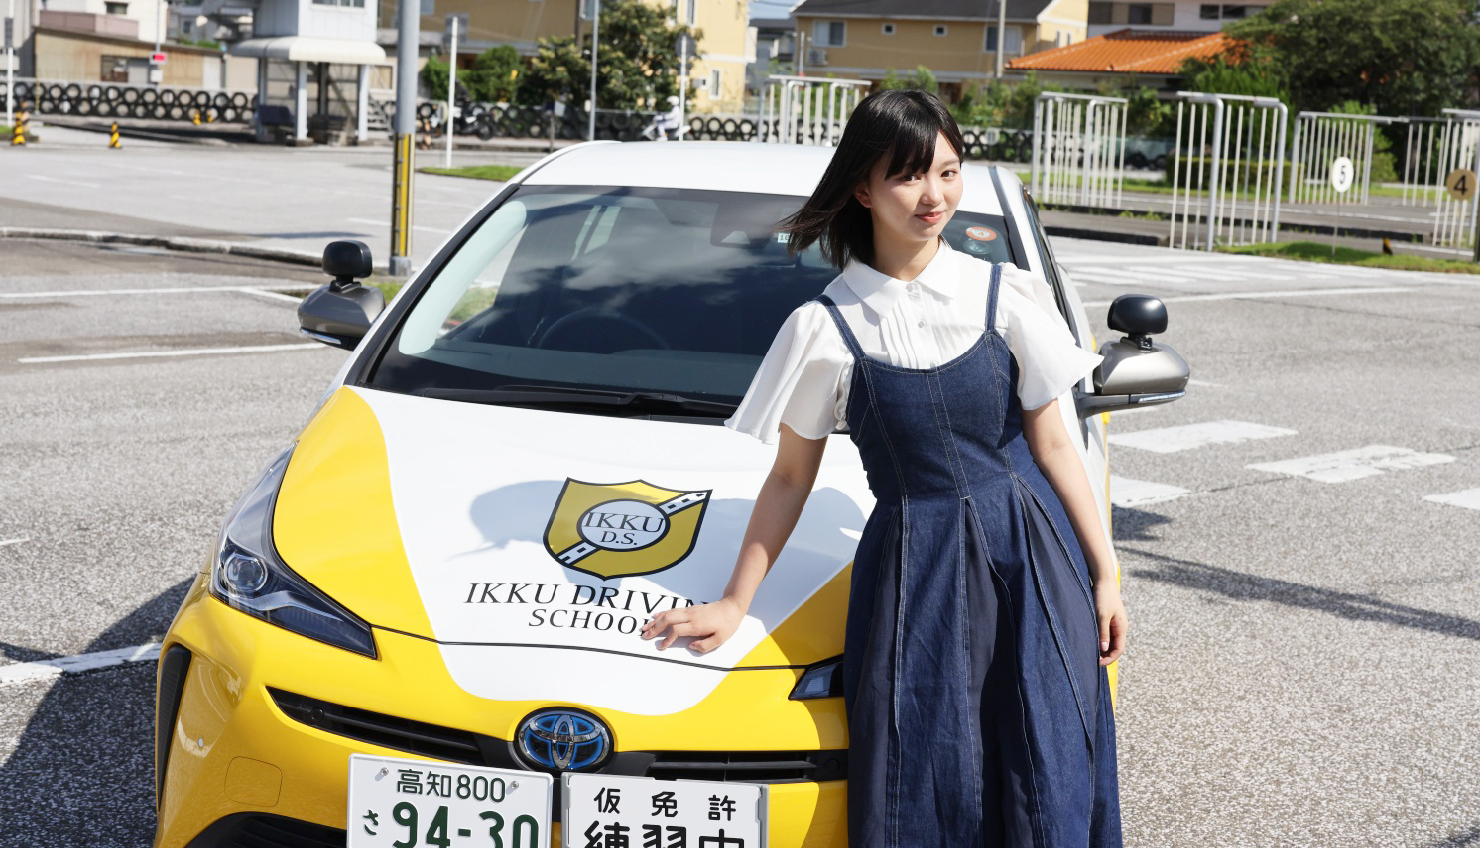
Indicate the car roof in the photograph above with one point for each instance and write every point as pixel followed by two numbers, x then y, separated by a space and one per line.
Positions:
pixel 752 167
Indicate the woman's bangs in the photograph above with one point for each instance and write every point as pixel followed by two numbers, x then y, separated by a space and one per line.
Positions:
pixel 913 150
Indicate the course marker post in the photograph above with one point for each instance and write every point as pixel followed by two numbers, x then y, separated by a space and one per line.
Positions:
pixel 115 142
pixel 22 122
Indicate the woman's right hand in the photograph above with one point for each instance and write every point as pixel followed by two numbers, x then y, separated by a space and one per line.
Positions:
pixel 712 624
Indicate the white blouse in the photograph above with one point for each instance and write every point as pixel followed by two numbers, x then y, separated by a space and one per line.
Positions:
pixel 803 380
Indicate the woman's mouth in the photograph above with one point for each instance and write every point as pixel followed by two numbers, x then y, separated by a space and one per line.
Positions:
pixel 932 217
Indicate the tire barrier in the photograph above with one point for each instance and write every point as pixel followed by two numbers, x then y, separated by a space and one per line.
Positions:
pixel 112 100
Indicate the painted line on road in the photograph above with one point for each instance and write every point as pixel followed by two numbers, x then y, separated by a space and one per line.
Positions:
pixel 50 669
pixel 1131 493
pixel 140 354
pixel 1356 464
pixel 271 295
pixel 60 180
pixel 1469 499
pixel 5 542
pixel 387 224
pixel 1192 436
pixel 1188 298
pixel 179 290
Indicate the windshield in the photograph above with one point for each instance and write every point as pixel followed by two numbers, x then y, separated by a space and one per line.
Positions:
pixel 619 290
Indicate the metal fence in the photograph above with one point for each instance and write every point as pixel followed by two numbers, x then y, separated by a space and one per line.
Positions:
pixel 1078 149
pixel 1227 170
pixel 1454 220
pixel 117 100
pixel 808 110
pixel 1320 139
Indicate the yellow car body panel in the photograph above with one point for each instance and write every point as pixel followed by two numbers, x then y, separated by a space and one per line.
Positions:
pixel 233 750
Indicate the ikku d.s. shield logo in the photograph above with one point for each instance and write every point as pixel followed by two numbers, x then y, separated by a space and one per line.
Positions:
pixel 623 529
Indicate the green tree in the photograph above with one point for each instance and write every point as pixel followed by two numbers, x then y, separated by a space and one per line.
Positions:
pixel 1245 70
pixel 493 77
pixel 996 103
pixel 637 65
pixel 1384 163
pixel 1409 58
pixel 920 79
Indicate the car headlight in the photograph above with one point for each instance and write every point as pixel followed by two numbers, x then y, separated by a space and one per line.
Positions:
pixel 247 574
pixel 824 680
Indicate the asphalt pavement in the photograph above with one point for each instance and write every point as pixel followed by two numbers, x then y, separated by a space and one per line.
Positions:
pixel 1298 535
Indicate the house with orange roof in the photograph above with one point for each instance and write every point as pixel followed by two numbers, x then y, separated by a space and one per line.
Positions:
pixel 1153 56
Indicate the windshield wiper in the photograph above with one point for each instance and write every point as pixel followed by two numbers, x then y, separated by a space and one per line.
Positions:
pixel 557 395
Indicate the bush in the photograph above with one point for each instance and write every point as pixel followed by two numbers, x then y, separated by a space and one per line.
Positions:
pixel 1247 172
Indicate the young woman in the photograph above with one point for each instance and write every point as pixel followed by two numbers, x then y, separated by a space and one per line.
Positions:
pixel 984 601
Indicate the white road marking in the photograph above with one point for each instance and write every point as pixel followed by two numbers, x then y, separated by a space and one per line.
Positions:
pixel 271 295
pixel 139 354
pixel 4 542
pixel 49 669
pixel 1126 492
pixel 1191 436
pixel 1469 499
pixel 1356 464
pixel 388 223
pixel 60 180
pixel 1254 295
pixel 1129 275
pixel 179 290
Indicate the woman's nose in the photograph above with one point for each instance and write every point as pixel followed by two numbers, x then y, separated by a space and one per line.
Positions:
pixel 932 192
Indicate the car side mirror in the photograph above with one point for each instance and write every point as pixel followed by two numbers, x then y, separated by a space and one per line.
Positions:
pixel 340 313
pixel 1136 371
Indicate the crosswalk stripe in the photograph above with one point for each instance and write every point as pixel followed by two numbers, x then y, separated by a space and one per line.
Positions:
pixel 1356 464
pixel 1190 436
pixel 1129 493
pixel 1469 498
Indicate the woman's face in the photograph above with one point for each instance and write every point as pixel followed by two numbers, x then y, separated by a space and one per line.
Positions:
pixel 913 208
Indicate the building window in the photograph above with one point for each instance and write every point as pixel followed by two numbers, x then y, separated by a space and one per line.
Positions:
pixel 115 8
pixel 940 29
pixel 692 11
pixel 1153 14
pixel 887 29
pixel 1014 46
pixel 1235 12
pixel 1208 11
pixel 714 81
pixel 829 33
pixel 115 69
pixel 358 4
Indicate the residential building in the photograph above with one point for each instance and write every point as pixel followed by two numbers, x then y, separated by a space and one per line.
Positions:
pixel 775 49
pixel 1180 16
pixel 1151 57
pixel 718 75
pixel 955 39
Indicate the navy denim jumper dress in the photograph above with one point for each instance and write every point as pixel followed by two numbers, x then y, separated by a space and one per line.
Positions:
pixel 978 712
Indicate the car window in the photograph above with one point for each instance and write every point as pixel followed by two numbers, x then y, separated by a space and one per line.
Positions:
pixel 653 290
pixel 1045 252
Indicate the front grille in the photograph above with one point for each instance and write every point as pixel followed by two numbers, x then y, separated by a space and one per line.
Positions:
pixel 256 830
pixel 461 746
pixel 751 766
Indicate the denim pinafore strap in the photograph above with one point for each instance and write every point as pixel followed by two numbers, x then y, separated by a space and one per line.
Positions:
pixel 978 713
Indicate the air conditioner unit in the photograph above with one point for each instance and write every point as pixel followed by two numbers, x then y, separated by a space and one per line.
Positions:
pixel 816 57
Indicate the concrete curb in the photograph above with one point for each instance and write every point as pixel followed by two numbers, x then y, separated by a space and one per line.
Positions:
pixel 181 243
pixel 1105 235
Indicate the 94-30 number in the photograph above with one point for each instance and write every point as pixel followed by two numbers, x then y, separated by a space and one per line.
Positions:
pixel 524 831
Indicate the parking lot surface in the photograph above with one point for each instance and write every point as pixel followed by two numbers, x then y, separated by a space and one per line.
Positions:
pixel 1298 536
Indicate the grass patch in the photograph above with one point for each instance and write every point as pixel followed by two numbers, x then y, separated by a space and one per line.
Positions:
pixel 499 173
pixel 1309 251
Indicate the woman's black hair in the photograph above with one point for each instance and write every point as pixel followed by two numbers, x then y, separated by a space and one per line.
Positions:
pixel 902 125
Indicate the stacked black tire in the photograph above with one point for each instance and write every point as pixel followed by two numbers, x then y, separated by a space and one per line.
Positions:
pixel 108 100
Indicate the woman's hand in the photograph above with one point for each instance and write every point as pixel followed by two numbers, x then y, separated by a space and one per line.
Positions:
pixel 712 623
pixel 1110 612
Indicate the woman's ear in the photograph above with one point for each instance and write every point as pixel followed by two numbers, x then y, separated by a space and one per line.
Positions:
pixel 860 193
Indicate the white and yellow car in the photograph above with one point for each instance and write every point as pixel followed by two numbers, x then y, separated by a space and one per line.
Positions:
pixel 421 622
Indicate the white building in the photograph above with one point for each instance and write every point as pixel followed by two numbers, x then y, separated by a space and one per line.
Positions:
pixel 1180 16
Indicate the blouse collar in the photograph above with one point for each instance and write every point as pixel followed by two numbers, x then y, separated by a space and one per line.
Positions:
pixel 879 291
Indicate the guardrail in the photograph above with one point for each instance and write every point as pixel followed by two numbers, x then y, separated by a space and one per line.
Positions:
pixel 119 100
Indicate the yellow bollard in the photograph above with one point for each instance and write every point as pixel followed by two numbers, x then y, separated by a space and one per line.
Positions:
pixel 114 141
pixel 195 117
pixel 22 120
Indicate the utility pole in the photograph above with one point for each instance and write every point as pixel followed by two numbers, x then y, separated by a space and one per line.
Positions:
pixel 10 66
pixel 800 60
pixel 595 36
pixel 407 47
pixel 156 72
pixel 1001 34
pixel 451 88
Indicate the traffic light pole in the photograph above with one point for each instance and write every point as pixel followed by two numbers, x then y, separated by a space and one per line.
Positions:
pixel 407 47
pixel 595 36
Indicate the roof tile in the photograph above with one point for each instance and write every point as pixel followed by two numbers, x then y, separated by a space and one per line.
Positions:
pixel 1127 51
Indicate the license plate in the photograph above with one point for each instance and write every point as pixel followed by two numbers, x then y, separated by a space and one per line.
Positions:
pixel 601 811
pixel 399 803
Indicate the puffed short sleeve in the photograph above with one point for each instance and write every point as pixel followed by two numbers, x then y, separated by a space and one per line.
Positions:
pixel 800 381
pixel 1049 361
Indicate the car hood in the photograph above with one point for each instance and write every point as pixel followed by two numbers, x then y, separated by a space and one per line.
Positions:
pixel 532 544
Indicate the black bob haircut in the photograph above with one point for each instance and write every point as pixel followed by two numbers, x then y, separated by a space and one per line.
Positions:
pixel 902 125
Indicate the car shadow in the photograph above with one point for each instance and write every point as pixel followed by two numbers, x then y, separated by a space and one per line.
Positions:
pixel 82 772
pixel 1240 586
pixel 1461 839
